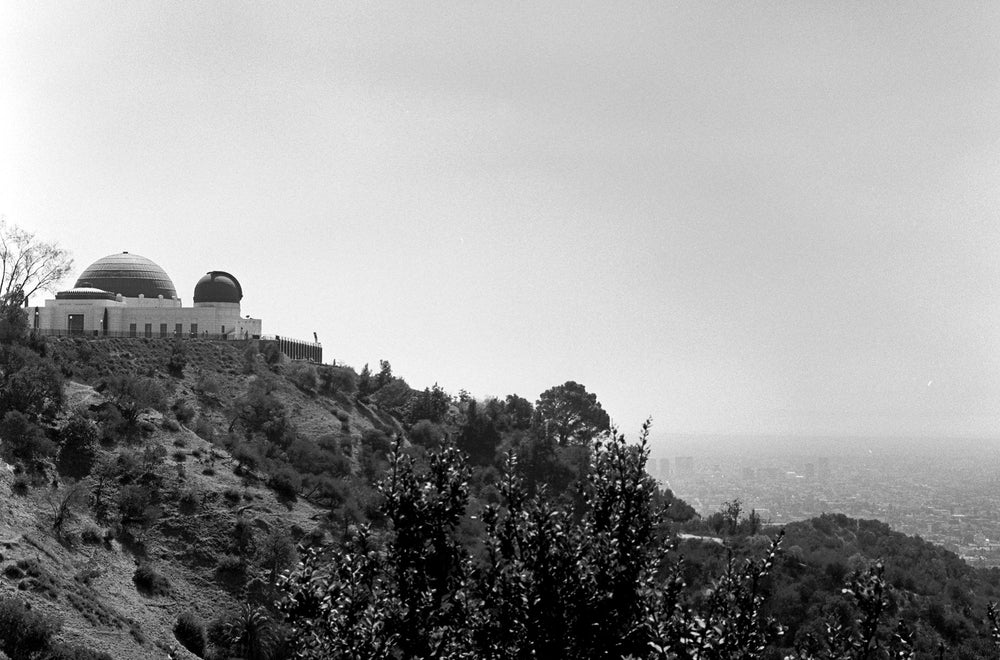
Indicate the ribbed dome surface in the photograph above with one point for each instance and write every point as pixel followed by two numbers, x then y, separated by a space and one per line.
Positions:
pixel 129 275
pixel 85 293
pixel 218 287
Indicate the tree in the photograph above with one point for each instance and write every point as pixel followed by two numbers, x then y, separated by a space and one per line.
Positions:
pixel 517 412
pixel 77 446
pixel 28 265
pixel 64 501
pixel 250 634
pixel 478 437
pixel 131 395
pixel 29 384
pixel 24 441
pixel 384 375
pixel 431 404
pixel 569 414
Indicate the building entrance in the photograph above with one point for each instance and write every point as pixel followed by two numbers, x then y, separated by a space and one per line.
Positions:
pixel 76 324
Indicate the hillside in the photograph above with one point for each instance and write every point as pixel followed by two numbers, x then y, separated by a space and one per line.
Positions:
pixel 85 575
pixel 156 490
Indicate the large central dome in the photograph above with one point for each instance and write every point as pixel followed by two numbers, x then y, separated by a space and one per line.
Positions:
pixel 129 275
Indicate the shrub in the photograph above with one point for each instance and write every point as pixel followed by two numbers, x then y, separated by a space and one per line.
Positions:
pixel 131 395
pixel 183 411
pixel 133 502
pixel 189 501
pixel 190 632
pixel 231 566
pixel 24 633
pixel 91 535
pixel 337 379
pixel 207 384
pixel 203 429
pixel 171 424
pixel 150 582
pixel 178 359
pixel 427 434
pixel 285 483
pixel 24 441
pixel 272 354
pixel 20 485
pixel 303 376
pixel 78 440
pixel 29 384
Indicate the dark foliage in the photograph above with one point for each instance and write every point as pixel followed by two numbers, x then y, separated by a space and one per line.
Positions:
pixel 150 582
pixel 78 440
pixel 431 404
pixel 29 384
pixel 569 414
pixel 337 380
pixel 190 632
pixel 24 442
pixel 131 396
pixel 178 359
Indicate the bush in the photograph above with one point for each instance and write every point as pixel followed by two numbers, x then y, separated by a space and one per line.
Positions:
pixel 231 566
pixel 203 429
pixel 272 354
pixel 150 582
pixel 333 380
pixel 178 359
pixel 427 434
pixel 207 384
pixel 171 424
pixel 24 633
pixel 24 441
pixel 92 535
pixel 303 376
pixel 183 411
pixel 190 632
pixel 285 483
pixel 78 439
pixel 133 502
pixel 29 384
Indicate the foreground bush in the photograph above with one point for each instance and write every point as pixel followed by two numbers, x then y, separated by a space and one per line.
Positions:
pixel 583 581
pixel 28 635
pixel 190 632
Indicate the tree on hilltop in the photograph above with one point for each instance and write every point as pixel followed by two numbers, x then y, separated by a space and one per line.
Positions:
pixel 27 265
pixel 569 414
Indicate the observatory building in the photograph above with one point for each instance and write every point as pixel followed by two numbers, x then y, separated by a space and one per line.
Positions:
pixel 126 295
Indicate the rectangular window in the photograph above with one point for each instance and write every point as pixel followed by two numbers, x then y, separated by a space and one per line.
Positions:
pixel 178 329
pixel 194 329
pixel 163 329
pixel 149 330
pixel 131 329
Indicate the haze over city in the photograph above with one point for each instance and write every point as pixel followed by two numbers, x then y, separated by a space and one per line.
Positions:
pixel 739 219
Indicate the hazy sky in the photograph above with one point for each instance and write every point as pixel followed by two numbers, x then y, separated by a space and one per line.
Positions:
pixel 734 217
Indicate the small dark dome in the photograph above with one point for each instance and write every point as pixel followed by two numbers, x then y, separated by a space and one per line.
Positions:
pixel 129 275
pixel 218 287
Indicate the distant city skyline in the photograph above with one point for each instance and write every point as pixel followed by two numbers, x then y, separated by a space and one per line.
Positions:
pixel 743 219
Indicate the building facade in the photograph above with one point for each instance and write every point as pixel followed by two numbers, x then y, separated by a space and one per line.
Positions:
pixel 127 295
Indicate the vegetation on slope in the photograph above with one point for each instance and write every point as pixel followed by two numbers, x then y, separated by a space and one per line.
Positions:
pixel 186 481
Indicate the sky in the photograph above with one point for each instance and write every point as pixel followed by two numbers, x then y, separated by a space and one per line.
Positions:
pixel 737 218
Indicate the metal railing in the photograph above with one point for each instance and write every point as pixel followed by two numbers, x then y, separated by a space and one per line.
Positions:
pixel 296 349
pixel 138 334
